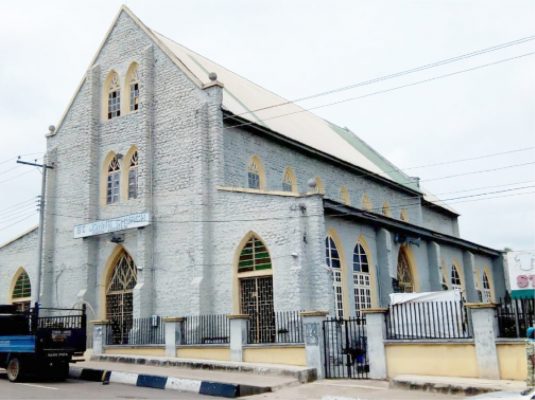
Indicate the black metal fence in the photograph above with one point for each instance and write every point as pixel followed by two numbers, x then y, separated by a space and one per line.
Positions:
pixel 206 329
pixel 144 331
pixel 515 316
pixel 285 327
pixel 428 320
pixel 346 348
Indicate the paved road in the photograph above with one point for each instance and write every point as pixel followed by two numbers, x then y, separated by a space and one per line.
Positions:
pixel 79 390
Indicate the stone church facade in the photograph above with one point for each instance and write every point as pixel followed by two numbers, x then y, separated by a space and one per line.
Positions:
pixel 175 191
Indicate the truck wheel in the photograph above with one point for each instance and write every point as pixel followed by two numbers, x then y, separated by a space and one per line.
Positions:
pixel 14 370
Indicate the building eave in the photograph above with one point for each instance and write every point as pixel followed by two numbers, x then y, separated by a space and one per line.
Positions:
pixel 334 208
pixel 20 236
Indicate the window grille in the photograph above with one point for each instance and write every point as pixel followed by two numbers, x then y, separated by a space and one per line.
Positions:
pixel 132 176
pixel 332 259
pixel 455 278
pixel 361 279
pixel 113 184
pixel 134 90
pixel 114 97
pixel 405 283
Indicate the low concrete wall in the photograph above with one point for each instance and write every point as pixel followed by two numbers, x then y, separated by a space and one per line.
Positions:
pixel 158 351
pixel 512 359
pixel 287 355
pixel 219 353
pixel 456 359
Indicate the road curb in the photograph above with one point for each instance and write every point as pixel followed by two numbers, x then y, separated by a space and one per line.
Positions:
pixel 210 388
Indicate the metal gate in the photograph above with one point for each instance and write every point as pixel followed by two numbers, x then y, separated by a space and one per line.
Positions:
pixel 346 354
pixel 257 302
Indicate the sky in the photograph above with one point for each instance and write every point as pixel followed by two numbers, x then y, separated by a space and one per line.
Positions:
pixel 468 122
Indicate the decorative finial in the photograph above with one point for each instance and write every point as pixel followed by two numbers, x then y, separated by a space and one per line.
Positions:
pixel 212 76
pixel 51 129
pixel 311 183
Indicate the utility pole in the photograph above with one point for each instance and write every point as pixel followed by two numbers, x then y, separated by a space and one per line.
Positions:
pixel 45 168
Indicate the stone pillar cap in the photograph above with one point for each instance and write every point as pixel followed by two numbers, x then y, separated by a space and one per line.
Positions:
pixel 480 305
pixel 99 322
pixel 238 316
pixel 374 310
pixel 174 319
pixel 314 313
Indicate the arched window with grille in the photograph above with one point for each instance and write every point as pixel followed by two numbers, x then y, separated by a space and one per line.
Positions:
pixel 255 174
pixel 386 209
pixel 132 81
pixel 332 259
pixel 455 277
pixel 405 281
pixel 366 202
pixel 113 184
pixel 114 95
pixel 119 297
pixel 132 176
pixel 361 279
pixel 487 291
pixel 255 280
pixel 22 291
pixel 344 195
pixel 289 182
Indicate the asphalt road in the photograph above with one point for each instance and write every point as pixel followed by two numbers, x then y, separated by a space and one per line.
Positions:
pixel 75 389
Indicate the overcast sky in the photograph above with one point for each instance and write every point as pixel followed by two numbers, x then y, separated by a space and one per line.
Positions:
pixel 299 48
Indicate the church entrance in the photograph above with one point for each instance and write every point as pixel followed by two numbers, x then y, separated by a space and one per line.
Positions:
pixel 119 299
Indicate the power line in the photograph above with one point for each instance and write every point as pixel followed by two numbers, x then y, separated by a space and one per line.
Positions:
pixel 401 73
pixel 387 90
pixel 16 176
pixel 481 171
pixel 19 221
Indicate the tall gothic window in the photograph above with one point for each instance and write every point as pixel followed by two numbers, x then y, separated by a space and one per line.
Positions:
pixel 114 181
pixel 361 279
pixel 344 195
pixel 332 259
pixel 133 81
pixel 405 281
pixel 22 292
pixel 455 278
pixel 289 183
pixel 255 178
pixel 132 176
pixel 487 292
pixel 114 97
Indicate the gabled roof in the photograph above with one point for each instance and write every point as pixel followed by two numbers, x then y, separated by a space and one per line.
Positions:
pixel 253 103
pixel 20 236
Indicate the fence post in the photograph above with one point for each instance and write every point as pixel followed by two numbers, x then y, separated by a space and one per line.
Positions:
pixel 173 334
pixel 314 345
pixel 376 336
pixel 238 335
pixel 485 333
pixel 99 336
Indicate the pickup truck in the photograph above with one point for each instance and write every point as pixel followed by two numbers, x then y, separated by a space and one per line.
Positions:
pixel 40 341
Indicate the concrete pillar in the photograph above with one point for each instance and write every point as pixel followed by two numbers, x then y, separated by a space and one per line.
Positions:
pixel 314 344
pixel 99 336
pixel 238 335
pixel 469 282
pixel 386 266
pixel 376 335
pixel 484 326
pixel 173 334
pixel 433 259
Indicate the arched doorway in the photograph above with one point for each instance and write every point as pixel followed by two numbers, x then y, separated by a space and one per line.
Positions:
pixel 405 280
pixel 255 278
pixel 21 293
pixel 119 297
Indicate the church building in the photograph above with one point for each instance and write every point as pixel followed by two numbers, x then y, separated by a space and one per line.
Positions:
pixel 181 188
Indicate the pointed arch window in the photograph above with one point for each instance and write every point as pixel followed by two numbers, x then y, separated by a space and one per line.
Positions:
pixel 404 215
pixel 344 195
pixel 386 209
pixel 487 291
pixel 319 188
pixel 367 203
pixel 132 176
pixel 22 292
pixel 361 279
pixel 254 256
pixel 133 82
pixel 332 259
pixel 255 174
pixel 456 282
pixel 405 281
pixel 113 186
pixel 114 96
pixel 289 183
